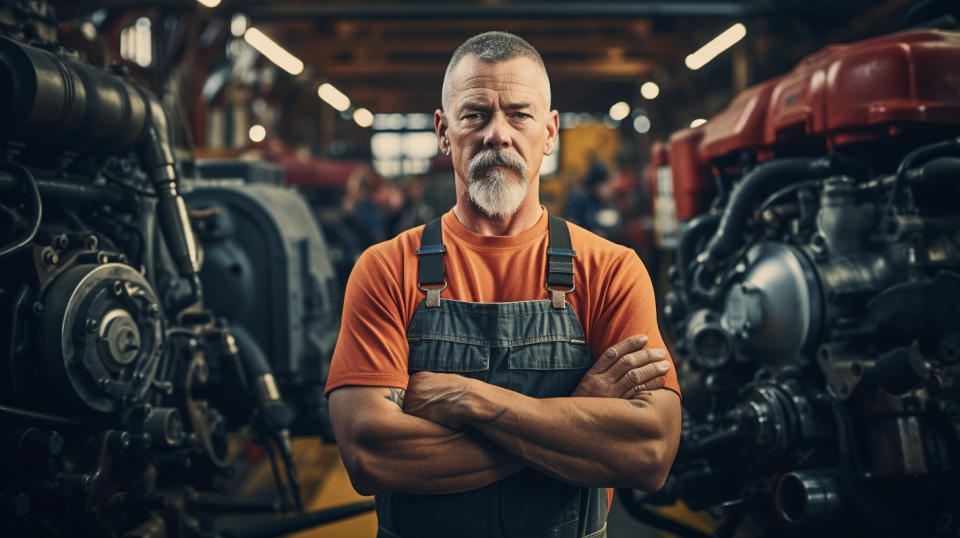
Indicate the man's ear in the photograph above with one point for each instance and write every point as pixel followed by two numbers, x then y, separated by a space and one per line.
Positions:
pixel 440 126
pixel 439 123
pixel 553 128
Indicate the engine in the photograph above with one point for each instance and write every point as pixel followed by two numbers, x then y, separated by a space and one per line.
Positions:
pixel 816 300
pixel 121 387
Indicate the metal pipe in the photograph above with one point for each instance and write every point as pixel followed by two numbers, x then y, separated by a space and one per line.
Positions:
pixel 74 192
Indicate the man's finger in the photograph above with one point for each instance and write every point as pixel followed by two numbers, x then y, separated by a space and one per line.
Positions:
pixel 634 360
pixel 653 384
pixel 621 348
pixel 642 375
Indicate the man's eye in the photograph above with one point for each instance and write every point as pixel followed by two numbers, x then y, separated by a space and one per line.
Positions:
pixel 473 116
pixel 521 115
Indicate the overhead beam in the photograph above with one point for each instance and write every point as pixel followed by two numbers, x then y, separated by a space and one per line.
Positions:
pixel 267 11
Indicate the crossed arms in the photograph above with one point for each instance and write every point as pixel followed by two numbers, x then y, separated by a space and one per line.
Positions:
pixel 448 433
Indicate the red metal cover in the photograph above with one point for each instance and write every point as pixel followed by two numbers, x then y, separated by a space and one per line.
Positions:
pixel 659 156
pixel 843 91
pixel 740 126
pixel 692 179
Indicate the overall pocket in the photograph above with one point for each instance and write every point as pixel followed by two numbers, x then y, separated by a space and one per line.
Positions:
pixel 547 369
pixel 449 356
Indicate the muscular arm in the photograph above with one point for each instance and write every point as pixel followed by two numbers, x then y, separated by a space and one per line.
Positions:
pixel 586 441
pixel 385 449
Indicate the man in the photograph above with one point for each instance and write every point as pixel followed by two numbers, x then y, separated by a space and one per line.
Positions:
pixel 463 390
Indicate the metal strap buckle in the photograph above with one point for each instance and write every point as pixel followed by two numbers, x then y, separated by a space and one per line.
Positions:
pixel 558 297
pixel 433 294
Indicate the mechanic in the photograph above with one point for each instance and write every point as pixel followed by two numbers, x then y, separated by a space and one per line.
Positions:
pixel 463 390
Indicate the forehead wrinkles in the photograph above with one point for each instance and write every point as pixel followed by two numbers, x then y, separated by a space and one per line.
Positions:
pixel 512 79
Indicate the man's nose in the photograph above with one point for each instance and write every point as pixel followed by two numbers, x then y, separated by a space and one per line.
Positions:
pixel 497 133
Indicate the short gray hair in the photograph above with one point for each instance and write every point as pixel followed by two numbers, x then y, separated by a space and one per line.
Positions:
pixel 493 47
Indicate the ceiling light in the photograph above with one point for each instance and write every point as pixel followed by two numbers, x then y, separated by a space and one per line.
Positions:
pixel 697 122
pixel 649 90
pixel 716 45
pixel 88 30
pixel 274 52
pixel 238 24
pixel 363 117
pixel 619 111
pixel 257 133
pixel 209 3
pixel 333 96
pixel 641 124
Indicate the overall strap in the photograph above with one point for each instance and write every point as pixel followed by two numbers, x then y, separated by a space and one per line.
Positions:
pixel 560 256
pixel 431 262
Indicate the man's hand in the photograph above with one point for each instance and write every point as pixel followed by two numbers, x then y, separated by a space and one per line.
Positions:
pixel 433 396
pixel 625 370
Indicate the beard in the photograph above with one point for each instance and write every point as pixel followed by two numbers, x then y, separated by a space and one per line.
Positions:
pixel 493 192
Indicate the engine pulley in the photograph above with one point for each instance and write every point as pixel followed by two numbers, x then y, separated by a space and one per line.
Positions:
pixel 100 335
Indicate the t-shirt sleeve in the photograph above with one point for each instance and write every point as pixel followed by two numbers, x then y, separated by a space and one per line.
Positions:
pixel 628 307
pixel 372 347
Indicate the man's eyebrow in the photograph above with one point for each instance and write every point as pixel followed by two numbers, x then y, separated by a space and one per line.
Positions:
pixel 474 104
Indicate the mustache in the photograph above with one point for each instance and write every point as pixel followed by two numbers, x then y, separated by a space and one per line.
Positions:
pixel 489 158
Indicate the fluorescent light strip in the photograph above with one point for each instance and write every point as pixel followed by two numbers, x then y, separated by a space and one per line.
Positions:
pixel 716 45
pixel 209 3
pixel 333 96
pixel 274 52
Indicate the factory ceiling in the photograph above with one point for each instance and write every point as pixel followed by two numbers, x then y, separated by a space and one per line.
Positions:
pixel 390 57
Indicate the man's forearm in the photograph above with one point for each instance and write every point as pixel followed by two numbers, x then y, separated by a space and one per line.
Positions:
pixel 396 452
pixel 585 441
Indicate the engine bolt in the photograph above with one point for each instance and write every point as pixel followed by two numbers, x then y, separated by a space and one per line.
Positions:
pixel 37 308
pixel 50 257
pixel 117 287
pixel 90 242
pixel 91 325
pixel 153 310
pixel 60 241
pixel 103 383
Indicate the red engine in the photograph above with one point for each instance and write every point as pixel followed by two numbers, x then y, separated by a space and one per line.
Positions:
pixel 816 304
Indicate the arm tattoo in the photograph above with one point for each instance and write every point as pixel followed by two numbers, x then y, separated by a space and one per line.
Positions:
pixel 396 396
pixel 638 403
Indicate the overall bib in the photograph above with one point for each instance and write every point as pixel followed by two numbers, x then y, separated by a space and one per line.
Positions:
pixel 537 348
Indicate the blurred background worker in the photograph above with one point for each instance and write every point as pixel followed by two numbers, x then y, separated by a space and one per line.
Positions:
pixel 590 198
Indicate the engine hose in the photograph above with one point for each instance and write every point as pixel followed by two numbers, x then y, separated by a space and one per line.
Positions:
pixel 274 413
pixel 938 170
pixel 929 151
pixel 850 468
pixel 696 228
pixel 647 516
pixel 749 192
pixel 37 209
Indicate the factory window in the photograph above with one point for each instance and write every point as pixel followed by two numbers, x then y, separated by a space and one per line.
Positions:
pixel 136 43
pixel 403 144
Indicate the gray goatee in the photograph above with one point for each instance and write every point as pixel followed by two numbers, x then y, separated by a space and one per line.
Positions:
pixel 492 191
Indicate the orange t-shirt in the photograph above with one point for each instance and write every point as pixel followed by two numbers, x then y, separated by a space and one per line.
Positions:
pixel 613 297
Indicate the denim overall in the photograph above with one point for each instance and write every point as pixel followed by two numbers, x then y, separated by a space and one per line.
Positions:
pixel 536 348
